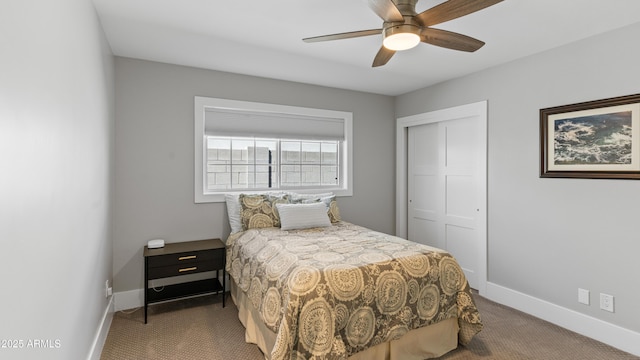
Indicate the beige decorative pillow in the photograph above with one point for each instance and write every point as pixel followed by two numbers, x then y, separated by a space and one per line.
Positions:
pixel 259 211
pixel 334 211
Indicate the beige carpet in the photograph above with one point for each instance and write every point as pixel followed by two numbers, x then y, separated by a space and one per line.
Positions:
pixel 200 328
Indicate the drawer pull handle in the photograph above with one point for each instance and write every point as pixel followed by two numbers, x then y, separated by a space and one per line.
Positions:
pixel 187 269
pixel 187 257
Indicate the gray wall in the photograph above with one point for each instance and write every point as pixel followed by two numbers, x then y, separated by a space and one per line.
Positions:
pixel 56 151
pixel 155 148
pixel 548 237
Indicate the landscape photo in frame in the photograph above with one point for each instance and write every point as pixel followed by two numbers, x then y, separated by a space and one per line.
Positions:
pixel 598 139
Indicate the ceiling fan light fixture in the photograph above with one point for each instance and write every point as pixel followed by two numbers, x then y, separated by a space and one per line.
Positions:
pixel 402 37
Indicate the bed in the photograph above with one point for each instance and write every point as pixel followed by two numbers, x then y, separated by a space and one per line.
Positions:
pixel 310 287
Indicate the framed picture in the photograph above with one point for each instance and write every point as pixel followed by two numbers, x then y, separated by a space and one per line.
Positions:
pixel 596 139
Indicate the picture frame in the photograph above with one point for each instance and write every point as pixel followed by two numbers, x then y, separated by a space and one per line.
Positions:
pixel 595 140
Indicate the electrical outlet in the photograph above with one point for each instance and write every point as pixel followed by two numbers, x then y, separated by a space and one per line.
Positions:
pixel 583 296
pixel 107 290
pixel 606 302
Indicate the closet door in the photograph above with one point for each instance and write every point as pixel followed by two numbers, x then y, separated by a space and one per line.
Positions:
pixel 423 185
pixel 443 187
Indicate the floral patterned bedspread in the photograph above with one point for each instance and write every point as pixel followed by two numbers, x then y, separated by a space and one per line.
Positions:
pixel 331 292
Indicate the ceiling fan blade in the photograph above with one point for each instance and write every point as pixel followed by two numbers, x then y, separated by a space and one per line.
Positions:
pixel 452 9
pixel 383 56
pixel 450 40
pixel 345 35
pixel 386 9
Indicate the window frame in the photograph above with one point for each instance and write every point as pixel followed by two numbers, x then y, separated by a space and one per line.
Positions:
pixel 201 104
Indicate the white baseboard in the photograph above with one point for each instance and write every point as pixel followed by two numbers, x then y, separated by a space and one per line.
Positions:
pixel 610 334
pixel 103 331
pixel 131 299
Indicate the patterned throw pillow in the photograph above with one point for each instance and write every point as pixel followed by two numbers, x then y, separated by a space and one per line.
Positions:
pixel 259 211
pixel 334 211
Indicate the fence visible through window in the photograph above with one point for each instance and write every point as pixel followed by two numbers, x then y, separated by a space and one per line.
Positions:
pixel 235 163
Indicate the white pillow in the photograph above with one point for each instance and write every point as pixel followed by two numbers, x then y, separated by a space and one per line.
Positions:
pixel 298 198
pixel 303 216
pixel 233 211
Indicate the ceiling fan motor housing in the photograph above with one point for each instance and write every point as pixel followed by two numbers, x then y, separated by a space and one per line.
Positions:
pixel 401 37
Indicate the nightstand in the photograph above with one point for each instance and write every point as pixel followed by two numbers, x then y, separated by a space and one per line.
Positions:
pixel 178 260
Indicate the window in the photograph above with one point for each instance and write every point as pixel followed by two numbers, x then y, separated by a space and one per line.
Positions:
pixel 245 146
pixel 236 163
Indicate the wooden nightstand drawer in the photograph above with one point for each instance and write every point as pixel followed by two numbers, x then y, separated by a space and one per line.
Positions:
pixel 182 269
pixel 180 259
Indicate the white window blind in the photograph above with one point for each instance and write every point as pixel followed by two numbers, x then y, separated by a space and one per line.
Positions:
pixel 226 122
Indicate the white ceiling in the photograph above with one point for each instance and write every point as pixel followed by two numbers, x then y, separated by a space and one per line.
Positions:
pixel 264 37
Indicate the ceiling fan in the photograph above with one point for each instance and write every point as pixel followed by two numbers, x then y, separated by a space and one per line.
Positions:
pixel 403 28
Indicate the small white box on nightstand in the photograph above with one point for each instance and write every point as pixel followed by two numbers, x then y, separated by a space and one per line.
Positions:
pixel 154 244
